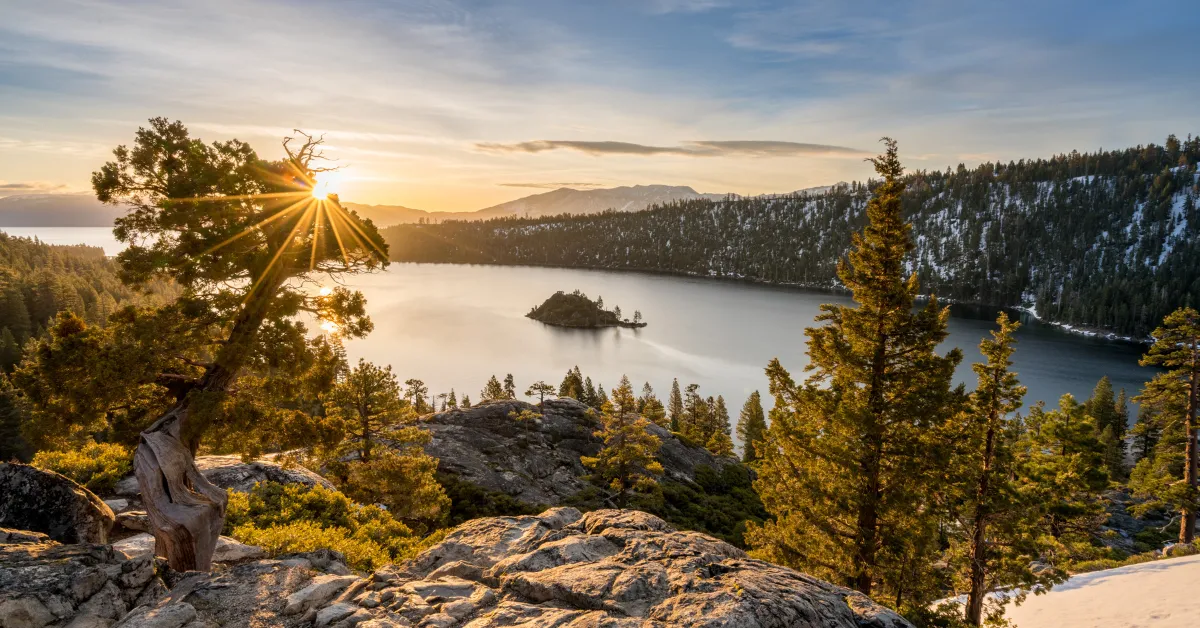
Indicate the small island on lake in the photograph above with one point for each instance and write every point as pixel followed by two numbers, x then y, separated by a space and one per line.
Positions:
pixel 577 310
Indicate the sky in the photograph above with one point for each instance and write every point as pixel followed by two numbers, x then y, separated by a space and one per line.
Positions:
pixel 455 106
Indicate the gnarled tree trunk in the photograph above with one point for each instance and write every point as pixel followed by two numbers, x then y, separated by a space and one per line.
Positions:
pixel 186 511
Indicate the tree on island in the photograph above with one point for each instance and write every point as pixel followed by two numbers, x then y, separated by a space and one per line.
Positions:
pixel 242 237
pixel 617 312
pixel 851 457
pixel 540 389
pixel 637 316
pixel 751 426
pixel 627 460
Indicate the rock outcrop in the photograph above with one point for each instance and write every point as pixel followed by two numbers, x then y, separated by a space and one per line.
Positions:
pixel 613 568
pixel 44 501
pixel 82 586
pixel 230 472
pixel 537 460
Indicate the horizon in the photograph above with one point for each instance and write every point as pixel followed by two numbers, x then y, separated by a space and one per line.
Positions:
pixel 457 106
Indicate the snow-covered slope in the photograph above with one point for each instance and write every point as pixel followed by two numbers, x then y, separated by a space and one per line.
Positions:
pixel 1160 594
pixel 569 201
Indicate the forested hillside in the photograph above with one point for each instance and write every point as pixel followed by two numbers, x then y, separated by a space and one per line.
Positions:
pixel 38 280
pixel 1105 240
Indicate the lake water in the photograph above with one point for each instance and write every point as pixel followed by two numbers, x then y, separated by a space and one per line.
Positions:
pixel 454 326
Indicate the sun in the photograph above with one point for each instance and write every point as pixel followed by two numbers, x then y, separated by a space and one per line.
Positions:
pixel 324 185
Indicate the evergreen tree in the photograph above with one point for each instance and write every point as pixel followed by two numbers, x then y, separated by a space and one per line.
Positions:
pixel 997 536
pixel 1064 468
pixel 589 393
pixel 10 350
pixel 415 391
pixel 719 441
pixel 627 460
pixel 492 390
pixel 1161 439
pixel 540 389
pixel 12 443
pixel 601 397
pixel 453 400
pixel 1110 421
pixel 751 426
pixel 510 387
pixel 572 385
pixel 466 402
pixel 675 407
pixel 368 401
pixel 651 408
pixel 851 457
pixel 1177 348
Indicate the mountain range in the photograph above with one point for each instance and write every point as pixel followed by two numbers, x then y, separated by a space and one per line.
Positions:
pixel 82 210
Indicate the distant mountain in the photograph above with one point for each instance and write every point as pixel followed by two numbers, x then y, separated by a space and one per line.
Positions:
pixel 560 201
pixel 56 210
pixel 580 202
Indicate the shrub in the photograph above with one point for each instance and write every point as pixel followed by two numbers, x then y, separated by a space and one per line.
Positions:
pixel 292 518
pixel 97 466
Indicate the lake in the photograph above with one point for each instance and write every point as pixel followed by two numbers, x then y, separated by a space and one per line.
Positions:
pixel 454 326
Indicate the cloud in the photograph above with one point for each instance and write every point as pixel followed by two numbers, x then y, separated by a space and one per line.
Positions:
pixel 552 186
pixel 702 148
pixel 13 188
pixel 685 6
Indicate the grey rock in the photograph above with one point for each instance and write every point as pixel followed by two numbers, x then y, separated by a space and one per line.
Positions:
pixel 134 520
pixel 334 612
pixel 44 501
pixel 319 591
pixel 82 586
pixel 117 505
pixel 537 461
pixel 228 550
pixel 168 616
pixel 230 472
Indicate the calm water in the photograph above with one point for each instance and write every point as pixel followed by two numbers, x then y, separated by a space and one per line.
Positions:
pixel 454 326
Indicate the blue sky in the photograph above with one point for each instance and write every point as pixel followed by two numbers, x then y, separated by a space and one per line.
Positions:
pixel 459 105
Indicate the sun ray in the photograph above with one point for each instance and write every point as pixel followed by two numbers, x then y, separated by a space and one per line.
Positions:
pixel 312 261
pixel 285 245
pixel 238 197
pixel 354 225
pixel 345 220
pixel 338 236
pixel 264 222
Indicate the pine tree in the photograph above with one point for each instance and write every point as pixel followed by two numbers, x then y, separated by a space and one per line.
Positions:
pixel 368 401
pixel 851 457
pixel 572 385
pixel 466 402
pixel 510 387
pixel 589 393
pixel 12 443
pixel 415 391
pixel 1177 348
pixel 453 400
pixel 997 537
pixel 1110 422
pixel 675 407
pixel 718 441
pixel 540 389
pixel 751 426
pixel 651 408
pixel 1064 468
pixel 601 396
pixel 627 460
pixel 492 390
pixel 10 351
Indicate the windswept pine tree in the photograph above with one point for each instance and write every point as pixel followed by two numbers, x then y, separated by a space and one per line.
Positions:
pixel 751 426
pixel 852 456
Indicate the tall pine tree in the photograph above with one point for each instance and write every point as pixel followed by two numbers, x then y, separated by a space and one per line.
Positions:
pixel 751 426
pixel 850 459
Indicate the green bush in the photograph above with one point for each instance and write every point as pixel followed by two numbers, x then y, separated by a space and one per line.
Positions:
pixel 470 501
pixel 292 518
pixel 97 466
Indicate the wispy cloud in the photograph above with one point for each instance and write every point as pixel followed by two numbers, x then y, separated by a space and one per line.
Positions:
pixel 13 188
pixel 699 148
pixel 552 186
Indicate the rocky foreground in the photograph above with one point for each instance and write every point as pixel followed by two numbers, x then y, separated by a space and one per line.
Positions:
pixel 561 568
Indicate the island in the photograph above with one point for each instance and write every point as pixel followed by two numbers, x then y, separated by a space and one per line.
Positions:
pixel 577 310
